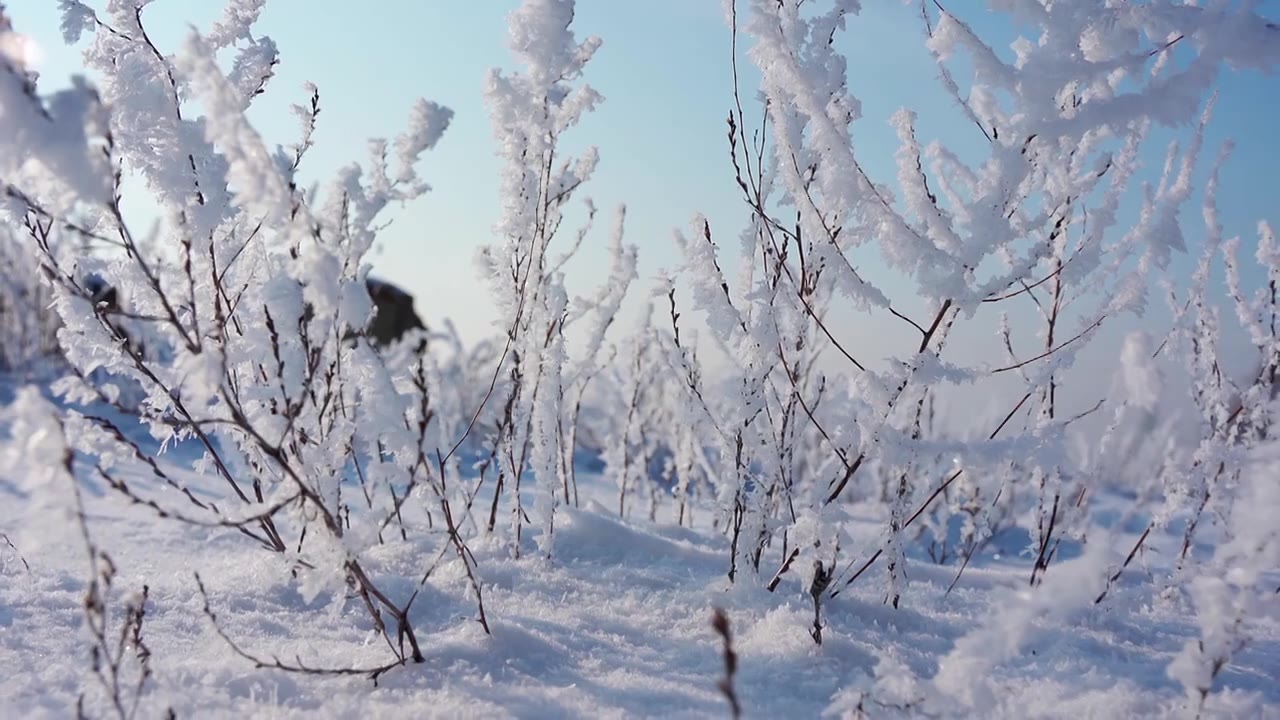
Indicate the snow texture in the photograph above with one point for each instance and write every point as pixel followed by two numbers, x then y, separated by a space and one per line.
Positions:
pixel 218 497
pixel 617 626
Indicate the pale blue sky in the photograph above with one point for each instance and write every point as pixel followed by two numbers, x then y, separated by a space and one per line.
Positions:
pixel 664 72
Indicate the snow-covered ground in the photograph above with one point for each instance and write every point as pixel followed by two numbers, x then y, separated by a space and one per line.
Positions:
pixel 616 624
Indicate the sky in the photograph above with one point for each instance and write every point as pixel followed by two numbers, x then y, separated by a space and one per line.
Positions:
pixel 664 71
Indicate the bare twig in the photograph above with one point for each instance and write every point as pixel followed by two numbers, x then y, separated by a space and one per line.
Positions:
pixel 720 622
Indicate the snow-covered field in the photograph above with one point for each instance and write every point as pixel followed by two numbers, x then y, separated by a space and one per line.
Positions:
pixel 616 624
pixel 847 367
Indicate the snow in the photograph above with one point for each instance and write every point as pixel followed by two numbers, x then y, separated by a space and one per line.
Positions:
pixel 617 624
pixel 217 498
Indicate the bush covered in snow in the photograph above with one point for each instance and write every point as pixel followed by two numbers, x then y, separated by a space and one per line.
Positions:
pixel 28 326
pixel 230 392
